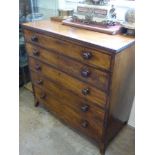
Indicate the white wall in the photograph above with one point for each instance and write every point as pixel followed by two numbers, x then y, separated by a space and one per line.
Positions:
pixel 62 3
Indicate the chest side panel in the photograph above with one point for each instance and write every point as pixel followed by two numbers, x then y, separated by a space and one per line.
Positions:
pixel 122 91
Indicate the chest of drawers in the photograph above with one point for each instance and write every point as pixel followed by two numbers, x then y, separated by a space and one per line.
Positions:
pixel 84 78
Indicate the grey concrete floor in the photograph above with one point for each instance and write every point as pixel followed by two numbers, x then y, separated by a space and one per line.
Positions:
pixel 43 134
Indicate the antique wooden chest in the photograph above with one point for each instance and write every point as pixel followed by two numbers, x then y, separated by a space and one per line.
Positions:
pixel 84 78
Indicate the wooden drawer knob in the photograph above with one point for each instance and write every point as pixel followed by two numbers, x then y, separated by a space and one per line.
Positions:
pixel 85 91
pixel 85 108
pixel 37 67
pixel 35 52
pixel 42 95
pixel 87 55
pixel 34 38
pixel 40 82
pixel 85 72
pixel 85 124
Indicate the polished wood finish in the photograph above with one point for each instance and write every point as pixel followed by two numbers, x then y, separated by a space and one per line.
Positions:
pixel 112 43
pixel 84 78
pixel 68 115
pixel 122 91
pixel 85 108
pixel 84 72
pixel 71 50
pixel 69 82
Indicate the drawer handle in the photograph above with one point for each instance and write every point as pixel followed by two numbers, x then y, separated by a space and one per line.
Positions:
pixel 85 91
pixel 87 55
pixel 40 82
pixel 85 124
pixel 34 38
pixel 43 96
pixel 85 73
pixel 35 52
pixel 37 67
pixel 85 108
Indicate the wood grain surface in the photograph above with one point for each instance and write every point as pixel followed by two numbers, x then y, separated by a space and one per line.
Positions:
pixel 75 51
pixel 86 78
pixel 112 43
pixel 91 112
pixel 122 91
pixel 69 82
pixel 74 68
pixel 68 115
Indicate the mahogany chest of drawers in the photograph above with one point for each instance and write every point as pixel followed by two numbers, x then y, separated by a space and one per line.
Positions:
pixel 84 78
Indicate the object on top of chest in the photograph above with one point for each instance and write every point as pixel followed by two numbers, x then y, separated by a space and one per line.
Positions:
pixel 99 13
pixel 96 18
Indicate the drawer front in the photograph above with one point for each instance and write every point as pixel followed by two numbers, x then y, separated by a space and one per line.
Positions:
pixel 72 50
pixel 85 108
pixel 80 88
pixel 83 72
pixel 69 116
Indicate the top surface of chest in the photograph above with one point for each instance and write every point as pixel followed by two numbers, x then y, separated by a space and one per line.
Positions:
pixel 112 43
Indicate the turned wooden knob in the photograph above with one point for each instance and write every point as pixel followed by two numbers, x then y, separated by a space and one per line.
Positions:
pixel 34 38
pixel 85 91
pixel 87 55
pixel 40 82
pixel 85 124
pixel 35 52
pixel 43 95
pixel 85 72
pixel 85 108
pixel 37 67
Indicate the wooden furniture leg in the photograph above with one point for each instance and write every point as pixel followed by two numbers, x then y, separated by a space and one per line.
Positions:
pixel 102 148
pixel 36 104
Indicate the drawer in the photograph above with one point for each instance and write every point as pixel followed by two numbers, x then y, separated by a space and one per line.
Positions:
pixel 68 115
pixel 83 72
pixel 85 108
pixel 78 87
pixel 78 52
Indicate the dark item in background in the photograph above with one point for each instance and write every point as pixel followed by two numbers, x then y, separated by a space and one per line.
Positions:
pixel 126 31
pixel 23 64
pixel 24 9
pixel 129 24
pixel 130 32
pixel 24 76
pixel 22 56
pixel 28 11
